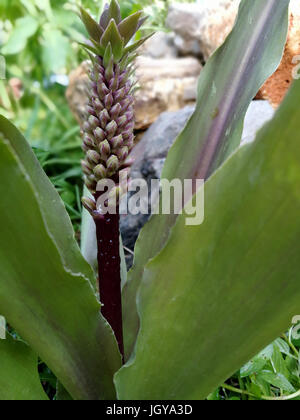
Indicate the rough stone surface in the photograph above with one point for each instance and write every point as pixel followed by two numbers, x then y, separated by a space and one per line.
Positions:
pixel 77 91
pixel 165 85
pixel 152 150
pixel 276 87
pixel 203 26
pixel 160 45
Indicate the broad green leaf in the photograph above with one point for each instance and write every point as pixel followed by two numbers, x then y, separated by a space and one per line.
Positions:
pixel 283 346
pixel 278 362
pixel 25 28
pixel 137 44
pixel 278 380
pixel 253 366
pixel 61 393
pixel 91 25
pixel 209 301
pixel 128 26
pixel 46 286
pixel 112 36
pixel 19 379
pixel 114 11
pixel 227 84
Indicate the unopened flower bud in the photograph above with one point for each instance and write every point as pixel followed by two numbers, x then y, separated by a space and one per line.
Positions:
pixel 89 204
pixel 100 171
pixel 121 121
pixel 129 115
pixel 99 69
pixel 120 94
pixel 115 111
pixel 102 90
pixel 98 105
pixel 114 83
pixel 104 149
pixel 104 118
pixel 90 110
pixel 86 167
pixel 130 142
pixel 116 141
pixel 126 103
pixel 123 153
pixel 129 127
pixel 111 128
pixel 126 134
pixel 88 141
pixel 108 101
pixel 86 127
pixel 99 135
pixel 93 157
pixel 112 165
pixel 93 122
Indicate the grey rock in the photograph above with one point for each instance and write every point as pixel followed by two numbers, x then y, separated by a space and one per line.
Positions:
pixel 258 114
pixel 160 45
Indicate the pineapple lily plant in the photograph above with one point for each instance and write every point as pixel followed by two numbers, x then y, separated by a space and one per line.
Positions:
pixel 200 301
pixel 108 140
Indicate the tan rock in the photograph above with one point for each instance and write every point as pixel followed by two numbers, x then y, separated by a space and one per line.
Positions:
pixel 276 87
pixel 202 27
pixel 165 85
pixel 77 91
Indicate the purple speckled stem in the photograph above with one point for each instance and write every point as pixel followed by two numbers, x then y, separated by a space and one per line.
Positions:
pixel 108 242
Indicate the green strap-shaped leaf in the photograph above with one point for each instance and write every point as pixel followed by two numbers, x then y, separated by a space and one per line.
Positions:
pixel 47 289
pixel 128 26
pixel 112 36
pixel 61 393
pixel 94 30
pixel 114 11
pixel 19 378
pixel 220 292
pixel 137 44
pixel 229 81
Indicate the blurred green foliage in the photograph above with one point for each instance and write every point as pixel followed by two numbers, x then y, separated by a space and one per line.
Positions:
pixel 271 375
